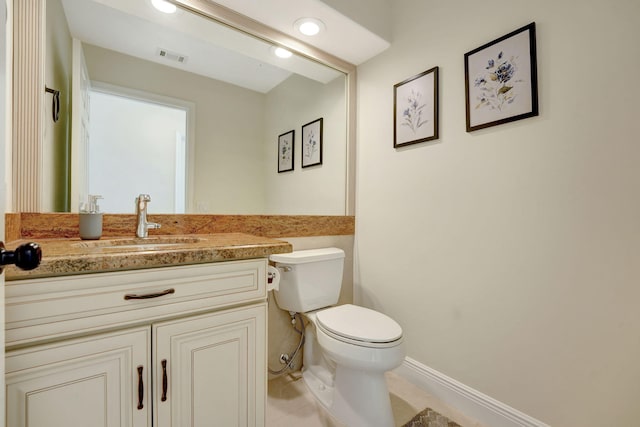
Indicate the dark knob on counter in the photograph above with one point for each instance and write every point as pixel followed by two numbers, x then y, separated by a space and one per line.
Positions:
pixel 25 257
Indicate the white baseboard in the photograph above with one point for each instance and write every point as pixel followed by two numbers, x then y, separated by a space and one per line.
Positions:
pixel 470 402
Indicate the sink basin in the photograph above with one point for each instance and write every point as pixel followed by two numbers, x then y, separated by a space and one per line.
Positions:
pixel 149 243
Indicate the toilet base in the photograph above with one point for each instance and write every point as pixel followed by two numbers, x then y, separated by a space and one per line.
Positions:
pixel 356 398
pixel 321 390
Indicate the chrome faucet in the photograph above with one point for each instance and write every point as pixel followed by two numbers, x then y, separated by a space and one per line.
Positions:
pixel 143 227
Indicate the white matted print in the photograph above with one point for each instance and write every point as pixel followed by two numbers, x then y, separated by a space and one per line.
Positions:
pixel 312 143
pixel 285 151
pixel 501 80
pixel 415 109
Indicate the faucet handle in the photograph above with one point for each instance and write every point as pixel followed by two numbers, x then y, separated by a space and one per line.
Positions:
pixel 143 198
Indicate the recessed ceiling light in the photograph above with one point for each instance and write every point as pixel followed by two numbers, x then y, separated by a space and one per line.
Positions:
pixel 164 6
pixel 281 52
pixel 309 26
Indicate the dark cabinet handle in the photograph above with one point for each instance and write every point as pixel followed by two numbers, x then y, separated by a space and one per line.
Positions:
pixel 140 388
pixel 25 257
pixel 147 296
pixel 165 381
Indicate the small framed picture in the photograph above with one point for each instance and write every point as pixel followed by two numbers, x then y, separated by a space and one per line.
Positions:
pixel 415 109
pixel 285 151
pixel 312 143
pixel 501 80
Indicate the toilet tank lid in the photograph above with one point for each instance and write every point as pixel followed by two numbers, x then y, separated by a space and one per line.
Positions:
pixel 310 255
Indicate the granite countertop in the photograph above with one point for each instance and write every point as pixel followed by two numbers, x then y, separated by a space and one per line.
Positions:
pixel 61 257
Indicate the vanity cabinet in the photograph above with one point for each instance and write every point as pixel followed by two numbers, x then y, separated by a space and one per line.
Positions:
pixel 193 356
pixel 82 382
pixel 206 368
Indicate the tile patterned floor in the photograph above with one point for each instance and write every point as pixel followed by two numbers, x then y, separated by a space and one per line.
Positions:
pixel 290 404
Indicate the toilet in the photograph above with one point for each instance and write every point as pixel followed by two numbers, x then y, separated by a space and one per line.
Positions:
pixel 347 348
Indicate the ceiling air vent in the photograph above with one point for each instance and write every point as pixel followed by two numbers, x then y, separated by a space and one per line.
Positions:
pixel 172 56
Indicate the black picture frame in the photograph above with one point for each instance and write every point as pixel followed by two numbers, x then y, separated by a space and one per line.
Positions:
pixel 501 80
pixel 312 143
pixel 286 151
pixel 415 109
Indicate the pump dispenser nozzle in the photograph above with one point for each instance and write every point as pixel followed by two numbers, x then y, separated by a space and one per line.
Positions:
pixel 92 205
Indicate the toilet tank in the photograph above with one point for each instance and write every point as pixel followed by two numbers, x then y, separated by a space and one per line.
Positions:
pixel 309 279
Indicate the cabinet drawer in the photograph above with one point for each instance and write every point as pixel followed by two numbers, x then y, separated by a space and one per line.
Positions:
pixel 52 308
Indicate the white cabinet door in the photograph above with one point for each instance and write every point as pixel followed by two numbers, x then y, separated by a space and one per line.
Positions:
pixel 215 369
pixel 92 381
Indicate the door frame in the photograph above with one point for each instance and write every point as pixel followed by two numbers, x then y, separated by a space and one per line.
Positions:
pixel 154 98
pixel 6 79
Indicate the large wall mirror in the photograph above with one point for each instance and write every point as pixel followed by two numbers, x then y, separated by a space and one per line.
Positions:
pixel 186 106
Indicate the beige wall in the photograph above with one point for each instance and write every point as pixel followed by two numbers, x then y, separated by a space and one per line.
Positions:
pixel 318 189
pixel 511 255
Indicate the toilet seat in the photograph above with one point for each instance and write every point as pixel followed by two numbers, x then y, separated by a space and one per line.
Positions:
pixel 359 326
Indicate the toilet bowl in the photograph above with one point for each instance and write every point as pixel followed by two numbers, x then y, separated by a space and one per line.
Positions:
pixel 348 378
pixel 347 348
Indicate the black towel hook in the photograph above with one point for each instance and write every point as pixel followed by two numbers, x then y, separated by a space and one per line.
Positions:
pixel 55 107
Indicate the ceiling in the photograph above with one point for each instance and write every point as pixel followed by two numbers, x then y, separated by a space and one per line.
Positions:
pixel 362 45
pixel 135 28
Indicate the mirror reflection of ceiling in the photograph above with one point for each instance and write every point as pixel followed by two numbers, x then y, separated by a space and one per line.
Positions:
pixel 137 29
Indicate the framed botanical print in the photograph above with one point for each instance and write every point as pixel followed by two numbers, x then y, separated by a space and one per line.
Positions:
pixel 312 143
pixel 415 109
pixel 285 151
pixel 501 80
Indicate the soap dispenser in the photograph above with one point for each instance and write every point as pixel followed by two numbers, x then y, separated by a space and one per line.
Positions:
pixel 90 219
